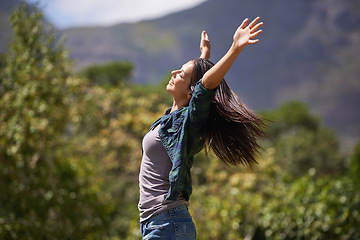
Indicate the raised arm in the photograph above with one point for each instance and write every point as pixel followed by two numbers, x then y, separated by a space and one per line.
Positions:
pixel 243 36
pixel 205 45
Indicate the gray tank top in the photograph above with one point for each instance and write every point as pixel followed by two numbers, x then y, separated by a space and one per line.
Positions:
pixel 154 181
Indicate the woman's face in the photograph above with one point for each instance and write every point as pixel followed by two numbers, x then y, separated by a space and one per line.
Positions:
pixel 179 84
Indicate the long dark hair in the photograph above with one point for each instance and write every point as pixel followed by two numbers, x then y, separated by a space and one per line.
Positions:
pixel 232 129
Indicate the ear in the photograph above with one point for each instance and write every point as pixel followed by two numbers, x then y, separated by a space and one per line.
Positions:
pixel 189 95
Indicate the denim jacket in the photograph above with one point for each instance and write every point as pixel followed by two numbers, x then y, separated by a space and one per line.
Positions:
pixel 181 134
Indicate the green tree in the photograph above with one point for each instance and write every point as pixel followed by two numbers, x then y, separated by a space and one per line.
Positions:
pixel 289 117
pixel 45 193
pixel 302 141
pixel 108 74
pixel 354 168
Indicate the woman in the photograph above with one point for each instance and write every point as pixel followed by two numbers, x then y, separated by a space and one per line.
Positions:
pixel 205 112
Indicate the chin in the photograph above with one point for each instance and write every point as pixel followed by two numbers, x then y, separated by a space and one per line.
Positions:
pixel 168 88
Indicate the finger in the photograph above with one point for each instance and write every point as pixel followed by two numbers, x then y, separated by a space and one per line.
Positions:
pixel 244 23
pixel 255 34
pixel 256 27
pixel 252 24
pixel 206 36
pixel 253 41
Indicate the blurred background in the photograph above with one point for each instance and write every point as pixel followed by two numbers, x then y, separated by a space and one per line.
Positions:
pixel 81 82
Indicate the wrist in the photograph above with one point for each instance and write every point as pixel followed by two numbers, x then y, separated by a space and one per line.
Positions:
pixel 236 48
pixel 205 53
pixel 205 49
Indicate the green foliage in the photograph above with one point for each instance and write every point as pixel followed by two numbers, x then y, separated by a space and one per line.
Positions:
pixel 70 148
pixel 288 117
pixel 43 192
pixel 109 130
pixel 354 168
pixel 110 124
pixel 157 92
pixel 259 204
pixel 70 151
pixel 311 208
pixel 111 73
pixel 302 142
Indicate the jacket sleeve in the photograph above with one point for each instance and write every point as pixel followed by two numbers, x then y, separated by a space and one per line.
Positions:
pixel 198 113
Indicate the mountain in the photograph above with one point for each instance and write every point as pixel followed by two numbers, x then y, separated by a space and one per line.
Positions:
pixel 6 8
pixel 309 50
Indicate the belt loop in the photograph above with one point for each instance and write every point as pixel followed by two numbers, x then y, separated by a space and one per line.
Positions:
pixel 171 211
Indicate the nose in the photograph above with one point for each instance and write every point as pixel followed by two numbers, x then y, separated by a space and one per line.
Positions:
pixel 175 72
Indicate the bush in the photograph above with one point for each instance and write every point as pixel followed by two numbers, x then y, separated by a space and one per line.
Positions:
pixel 260 204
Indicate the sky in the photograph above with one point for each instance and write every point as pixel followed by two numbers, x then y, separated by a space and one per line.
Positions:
pixel 78 13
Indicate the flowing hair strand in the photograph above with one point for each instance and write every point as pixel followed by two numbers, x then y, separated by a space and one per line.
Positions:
pixel 232 129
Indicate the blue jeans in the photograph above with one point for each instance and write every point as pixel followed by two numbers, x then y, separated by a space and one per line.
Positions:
pixel 172 224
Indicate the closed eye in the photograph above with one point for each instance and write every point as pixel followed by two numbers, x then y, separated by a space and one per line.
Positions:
pixel 182 74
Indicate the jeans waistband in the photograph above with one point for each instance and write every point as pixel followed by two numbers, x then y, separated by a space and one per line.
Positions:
pixel 170 211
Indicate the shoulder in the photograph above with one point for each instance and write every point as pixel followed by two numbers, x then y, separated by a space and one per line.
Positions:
pixel 201 90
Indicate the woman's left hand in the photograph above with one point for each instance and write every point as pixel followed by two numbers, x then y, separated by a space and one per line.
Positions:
pixel 246 33
pixel 205 45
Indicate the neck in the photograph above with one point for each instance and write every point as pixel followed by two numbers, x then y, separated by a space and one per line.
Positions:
pixel 177 104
